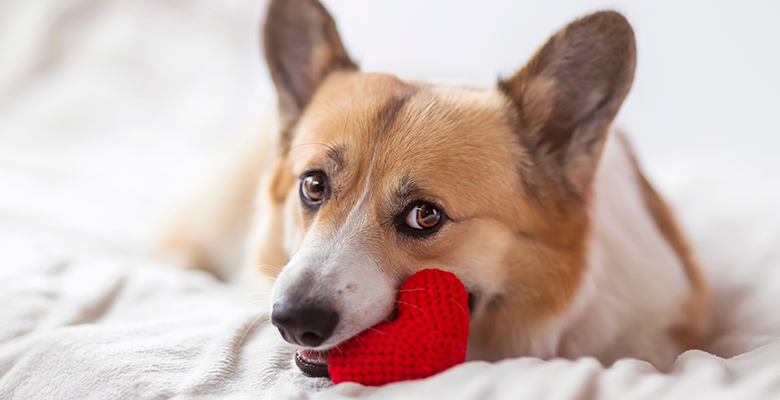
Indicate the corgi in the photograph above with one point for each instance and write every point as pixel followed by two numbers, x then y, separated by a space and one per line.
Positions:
pixel 524 190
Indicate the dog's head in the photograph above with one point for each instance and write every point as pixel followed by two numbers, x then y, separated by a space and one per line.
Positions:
pixel 379 178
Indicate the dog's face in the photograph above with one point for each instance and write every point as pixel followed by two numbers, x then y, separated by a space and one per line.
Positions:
pixel 379 178
pixel 390 178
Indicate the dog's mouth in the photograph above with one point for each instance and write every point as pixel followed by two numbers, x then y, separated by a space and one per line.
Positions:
pixel 313 363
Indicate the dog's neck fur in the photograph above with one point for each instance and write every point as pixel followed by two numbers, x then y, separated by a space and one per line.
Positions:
pixel 629 301
pixel 631 297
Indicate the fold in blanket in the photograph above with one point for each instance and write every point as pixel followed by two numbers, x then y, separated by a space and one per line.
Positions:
pixel 104 325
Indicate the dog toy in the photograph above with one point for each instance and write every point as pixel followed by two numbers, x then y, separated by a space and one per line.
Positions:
pixel 429 335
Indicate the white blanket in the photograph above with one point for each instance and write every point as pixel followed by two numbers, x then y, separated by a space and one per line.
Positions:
pixel 83 322
pixel 110 110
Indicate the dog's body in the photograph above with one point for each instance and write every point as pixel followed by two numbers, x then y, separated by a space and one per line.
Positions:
pixel 521 190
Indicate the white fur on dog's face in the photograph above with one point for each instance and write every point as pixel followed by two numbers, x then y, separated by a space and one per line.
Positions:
pixel 339 268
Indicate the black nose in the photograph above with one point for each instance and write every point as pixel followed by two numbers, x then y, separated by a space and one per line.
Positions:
pixel 306 325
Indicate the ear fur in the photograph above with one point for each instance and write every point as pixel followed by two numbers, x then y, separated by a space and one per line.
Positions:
pixel 568 94
pixel 302 47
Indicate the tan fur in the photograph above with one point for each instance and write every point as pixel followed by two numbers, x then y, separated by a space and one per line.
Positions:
pixel 538 250
pixel 511 167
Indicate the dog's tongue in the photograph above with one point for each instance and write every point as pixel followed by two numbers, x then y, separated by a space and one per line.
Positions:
pixel 428 336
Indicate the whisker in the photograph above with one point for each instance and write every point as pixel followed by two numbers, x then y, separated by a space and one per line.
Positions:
pixel 412 305
pixel 273 267
pixel 251 325
pixel 358 337
pixel 461 307
pixel 378 331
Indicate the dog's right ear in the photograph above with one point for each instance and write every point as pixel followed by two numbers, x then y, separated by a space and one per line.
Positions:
pixel 302 47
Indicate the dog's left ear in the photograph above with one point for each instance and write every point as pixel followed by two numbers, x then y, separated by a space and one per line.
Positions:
pixel 302 47
pixel 569 93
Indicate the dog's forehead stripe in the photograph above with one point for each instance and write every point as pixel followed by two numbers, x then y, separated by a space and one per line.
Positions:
pixel 389 113
pixel 407 188
pixel 336 154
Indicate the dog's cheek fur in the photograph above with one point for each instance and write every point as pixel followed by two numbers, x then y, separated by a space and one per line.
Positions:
pixel 537 279
pixel 526 280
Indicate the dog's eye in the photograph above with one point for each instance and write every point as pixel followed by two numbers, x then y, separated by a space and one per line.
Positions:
pixel 314 188
pixel 420 219
pixel 423 216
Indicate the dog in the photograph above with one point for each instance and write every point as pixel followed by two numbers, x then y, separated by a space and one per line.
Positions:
pixel 524 190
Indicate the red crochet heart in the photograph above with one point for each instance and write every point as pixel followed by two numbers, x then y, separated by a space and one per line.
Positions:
pixel 428 336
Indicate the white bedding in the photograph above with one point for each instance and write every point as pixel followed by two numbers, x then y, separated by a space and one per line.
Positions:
pixel 103 125
pixel 80 321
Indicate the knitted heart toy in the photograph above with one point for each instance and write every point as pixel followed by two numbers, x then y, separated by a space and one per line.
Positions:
pixel 428 336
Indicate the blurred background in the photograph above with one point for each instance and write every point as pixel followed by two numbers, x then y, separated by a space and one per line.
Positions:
pixel 112 111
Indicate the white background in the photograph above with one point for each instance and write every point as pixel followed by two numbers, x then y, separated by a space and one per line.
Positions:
pixel 707 84
pixel 110 110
